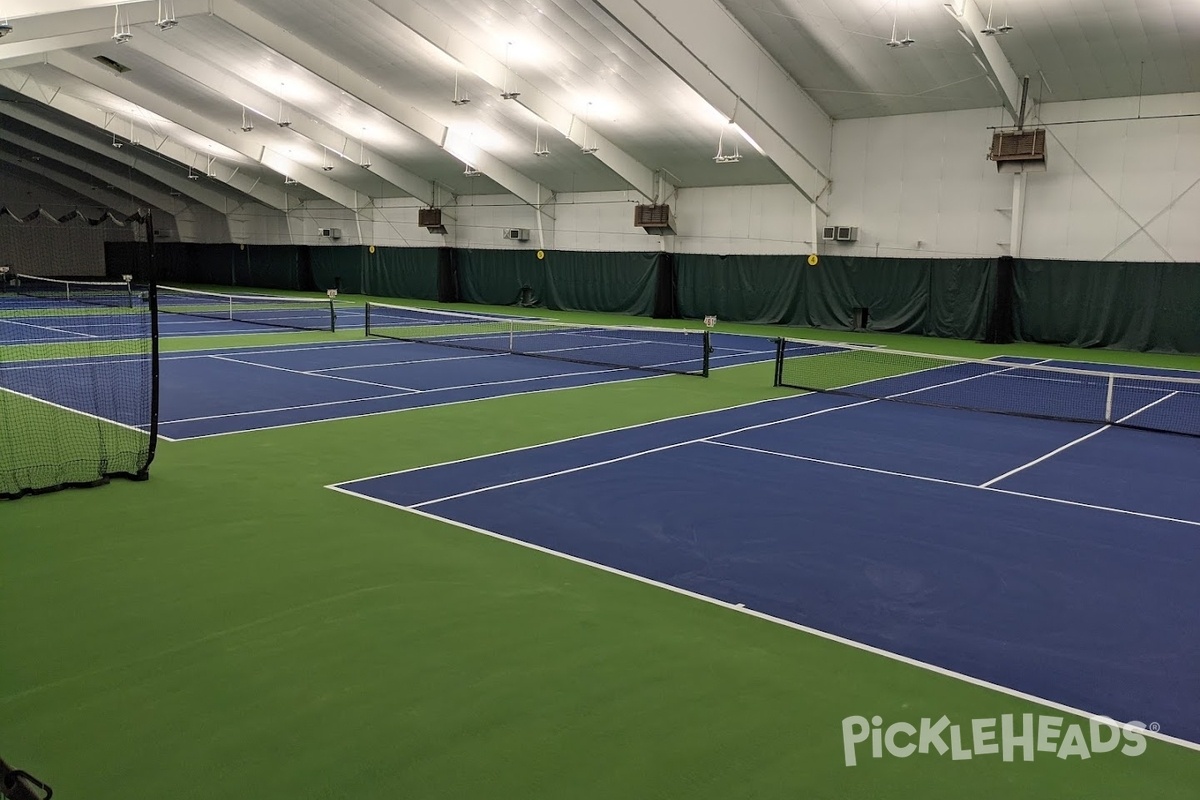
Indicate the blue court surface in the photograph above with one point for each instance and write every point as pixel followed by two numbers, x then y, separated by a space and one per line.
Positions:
pixel 107 326
pixel 1049 558
pixel 215 392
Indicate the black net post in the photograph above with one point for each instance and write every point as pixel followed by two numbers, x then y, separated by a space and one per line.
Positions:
pixel 152 300
pixel 780 354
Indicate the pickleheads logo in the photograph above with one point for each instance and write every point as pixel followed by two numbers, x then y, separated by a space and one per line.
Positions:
pixel 1008 736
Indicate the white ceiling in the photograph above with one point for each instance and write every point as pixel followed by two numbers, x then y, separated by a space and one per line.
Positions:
pixel 579 60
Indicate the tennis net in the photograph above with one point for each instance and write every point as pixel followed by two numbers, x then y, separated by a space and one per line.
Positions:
pixel 297 313
pixel 53 291
pixel 1130 398
pixel 650 349
pixel 70 413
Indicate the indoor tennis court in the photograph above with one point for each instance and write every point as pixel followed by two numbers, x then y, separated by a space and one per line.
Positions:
pixel 593 399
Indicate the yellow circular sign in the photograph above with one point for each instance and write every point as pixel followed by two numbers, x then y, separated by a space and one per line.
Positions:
pixel 541 254
pixel 371 249
pixel 813 260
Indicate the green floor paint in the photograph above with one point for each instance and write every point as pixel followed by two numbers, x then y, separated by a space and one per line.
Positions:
pixel 231 628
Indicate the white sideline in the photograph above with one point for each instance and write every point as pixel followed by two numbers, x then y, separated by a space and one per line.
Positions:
pixel 741 609
pixel 1069 445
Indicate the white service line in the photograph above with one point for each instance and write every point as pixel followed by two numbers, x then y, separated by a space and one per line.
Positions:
pixel 72 410
pixel 741 609
pixel 959 484
pixel 1069 445
pixel 47 328
pixel 313 374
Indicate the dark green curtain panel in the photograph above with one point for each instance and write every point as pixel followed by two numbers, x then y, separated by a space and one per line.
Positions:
pixel 410 272
pixel 339 267
pixel 1126 306
pixel 761 289
pixel 268 267
pixel 622 283
pixel 962 293
pixel 950 298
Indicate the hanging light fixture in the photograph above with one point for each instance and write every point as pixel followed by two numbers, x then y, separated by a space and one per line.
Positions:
pixel 459 100
pixel 167 20
pixel 990 29
pixel 470 171
pixel 506 93
pixel 364 160
pixel 211 172
pixel 540 149
pixel 589 149
pixel 723 156
pixel 326 164
pixel 5 28
pixel 121 32
pixel 285 120
pixel 247 123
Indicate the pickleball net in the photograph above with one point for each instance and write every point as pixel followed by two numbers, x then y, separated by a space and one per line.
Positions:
pixel 1131 399
pixel 659 350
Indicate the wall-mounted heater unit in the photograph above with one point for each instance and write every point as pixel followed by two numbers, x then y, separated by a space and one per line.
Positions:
pixel 331 233
pixel 655 220
pixel 517 234
pixel 1019 150
pixel 839 233
pixel 431 220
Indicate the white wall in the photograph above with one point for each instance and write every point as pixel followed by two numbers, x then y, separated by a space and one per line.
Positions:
pixel 924 178
pixel 916 185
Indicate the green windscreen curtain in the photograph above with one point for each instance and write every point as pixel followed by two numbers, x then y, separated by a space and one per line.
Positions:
pixel 338 267
pixel 949 298
pixel 1128 306
pixel 577 281
pixel 410 272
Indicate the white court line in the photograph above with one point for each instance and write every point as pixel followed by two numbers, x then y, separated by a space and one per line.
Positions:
pixel 245 350
pixel 312 374
pixel 47 328
pixel 412 361
pixel 709 438
pixel 74 410
pixel 325 420
pixel 741 609
pixel 1069 445
pixel 784 398
pixel 945 482
pixel 626 457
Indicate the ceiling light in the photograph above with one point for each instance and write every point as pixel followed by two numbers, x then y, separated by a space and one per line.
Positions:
pixel 247 123
pixel 724 157
pixel 121 33
pixel 506 93
pixel 471 172
pixel 540 148
pixel 5 29
pixel 166 21
pixel 459 99
pixel 288 180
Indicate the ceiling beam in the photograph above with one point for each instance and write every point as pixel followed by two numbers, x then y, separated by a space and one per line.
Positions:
pixel 147 194
pixel 41 30
pixel 247 95
pixel 709 50
pixel 84 193
pixel 1004 78
pixel 251 145
pixel 330 69
pixel 245 185
pixel 131 158
pixel 429 27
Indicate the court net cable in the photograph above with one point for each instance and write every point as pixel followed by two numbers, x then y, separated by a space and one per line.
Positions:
pixel 1129 398
pixel 672 351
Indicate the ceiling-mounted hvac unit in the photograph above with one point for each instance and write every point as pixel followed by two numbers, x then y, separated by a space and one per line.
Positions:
pixel 655 220
pixel 431 220
pixel 517 234
pixel 1019 150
